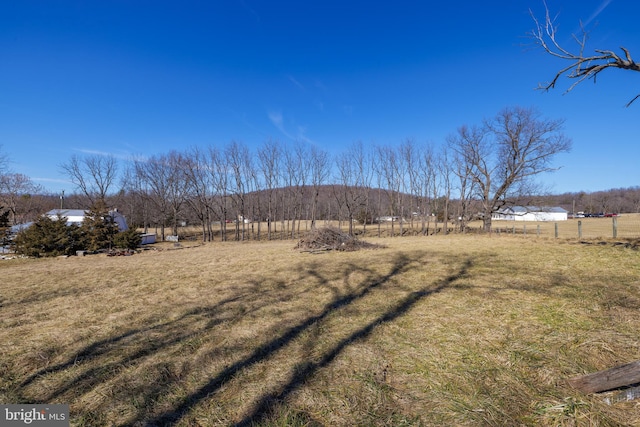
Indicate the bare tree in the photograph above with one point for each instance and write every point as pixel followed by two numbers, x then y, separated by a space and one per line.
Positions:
pixel 177 185
pixel 410 155
pixel 255 188
pixel 138 198
pixel 319 169
pixel 200 189
pixel 15 194
pixel 296 168
pixel 4 162
pixel 504 155
pixel 363 161
pixel 165 185
pixel 435 188
pixel 93 175
pixel 465 185
pixel 445 173
pixel 303 158
pixel 240 165
pixel 389 167
pixel 348 192
pixel 269 159
pixel 426 185
pixel 581 65
pixel 220 178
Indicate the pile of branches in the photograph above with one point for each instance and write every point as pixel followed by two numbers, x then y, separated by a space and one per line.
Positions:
pixel 332 239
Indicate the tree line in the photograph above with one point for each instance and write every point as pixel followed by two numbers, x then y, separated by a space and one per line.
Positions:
pixel 480 169
pixel 271 190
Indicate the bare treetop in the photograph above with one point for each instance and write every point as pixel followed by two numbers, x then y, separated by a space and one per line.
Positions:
pixel 4 161
pixel 582 66
pixel 93 175
pixel 506 153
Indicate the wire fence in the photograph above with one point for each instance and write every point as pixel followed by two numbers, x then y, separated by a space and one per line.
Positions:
pixel 625 226
pixel 617 227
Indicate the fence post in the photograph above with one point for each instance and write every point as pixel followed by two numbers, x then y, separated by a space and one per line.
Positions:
pixel 615 227
pixel 524 229
pixel 538 230
pixel 556 227
pixel 579 229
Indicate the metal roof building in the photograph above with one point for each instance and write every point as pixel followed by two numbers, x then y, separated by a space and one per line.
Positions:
pixel 75 216
pixel 530 213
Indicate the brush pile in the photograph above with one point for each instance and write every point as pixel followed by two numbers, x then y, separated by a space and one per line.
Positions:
pixel 332 239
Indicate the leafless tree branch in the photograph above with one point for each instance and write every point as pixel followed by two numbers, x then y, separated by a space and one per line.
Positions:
pixel 94 176
pixel 581 66
pixel 4 162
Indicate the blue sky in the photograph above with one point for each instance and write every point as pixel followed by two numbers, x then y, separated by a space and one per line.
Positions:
pixel 138 78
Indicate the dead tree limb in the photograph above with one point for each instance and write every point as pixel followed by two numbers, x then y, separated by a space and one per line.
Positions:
pixel 581 66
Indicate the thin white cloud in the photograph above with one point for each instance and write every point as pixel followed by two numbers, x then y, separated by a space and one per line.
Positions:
pixel 320 85
pixel 250 10
pixel 296 83
pixel 302 135
pixel 598 11
pixel 138 158
pixel 94 152
pixel 121 156
pixel 277 120
pixel 54 180
pixel 317 85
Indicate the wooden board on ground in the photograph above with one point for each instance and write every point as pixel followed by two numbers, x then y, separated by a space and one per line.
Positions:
pixel 609 379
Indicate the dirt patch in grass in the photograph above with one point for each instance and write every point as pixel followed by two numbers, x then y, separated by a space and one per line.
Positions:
pixel 332 239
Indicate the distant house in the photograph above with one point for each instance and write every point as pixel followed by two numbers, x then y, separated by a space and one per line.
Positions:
pixel 75 216
pixel 530 213
pixel 387 219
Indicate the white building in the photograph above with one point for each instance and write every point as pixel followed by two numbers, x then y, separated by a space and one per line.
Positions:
pixel 387 219
pixel 530 213
pixel 75 216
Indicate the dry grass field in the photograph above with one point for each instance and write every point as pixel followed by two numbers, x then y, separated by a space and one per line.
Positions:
pixel 460 330
pixel 628 226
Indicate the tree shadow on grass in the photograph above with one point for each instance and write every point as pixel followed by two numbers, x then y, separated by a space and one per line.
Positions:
pixel 306 369
pixel 401 264
pixel 107 362
pixel 104 361
pixel 134 345
pixel 171 333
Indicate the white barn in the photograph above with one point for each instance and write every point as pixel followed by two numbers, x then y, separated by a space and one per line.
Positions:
pixel 75 216
pixel 530 213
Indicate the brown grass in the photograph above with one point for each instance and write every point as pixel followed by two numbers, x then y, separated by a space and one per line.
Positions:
pixel 459 330
pixel 628 227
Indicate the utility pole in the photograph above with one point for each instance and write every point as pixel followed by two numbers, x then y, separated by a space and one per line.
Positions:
pixel 61 200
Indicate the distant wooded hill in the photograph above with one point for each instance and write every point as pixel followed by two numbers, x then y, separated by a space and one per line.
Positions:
pixel 334 202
